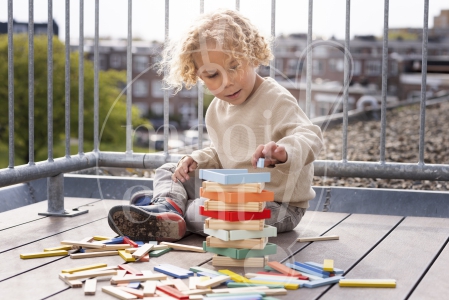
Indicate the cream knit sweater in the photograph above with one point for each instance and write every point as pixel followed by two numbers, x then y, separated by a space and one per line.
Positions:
pixel 270 114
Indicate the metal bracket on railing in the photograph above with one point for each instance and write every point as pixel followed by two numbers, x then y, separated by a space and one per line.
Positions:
pixel 55 194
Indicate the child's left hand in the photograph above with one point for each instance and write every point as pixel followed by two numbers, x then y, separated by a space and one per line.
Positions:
pixel 273 154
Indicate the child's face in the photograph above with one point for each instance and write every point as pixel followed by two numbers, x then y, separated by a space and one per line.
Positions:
pixel 227 80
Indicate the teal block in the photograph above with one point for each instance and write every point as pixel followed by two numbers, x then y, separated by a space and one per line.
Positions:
pixel 242 253
pixel 157 253
pixel 234 235
pixel 201 269
pixel 233 178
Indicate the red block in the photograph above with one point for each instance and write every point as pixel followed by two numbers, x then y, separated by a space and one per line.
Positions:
pixel 236 215
pixel 128 241
pixel 234 197
pixel 172 292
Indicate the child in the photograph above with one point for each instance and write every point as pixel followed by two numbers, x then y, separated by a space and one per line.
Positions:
pixel 250 117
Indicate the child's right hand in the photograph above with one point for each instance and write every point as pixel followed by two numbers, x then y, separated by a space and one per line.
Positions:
pixel 186 165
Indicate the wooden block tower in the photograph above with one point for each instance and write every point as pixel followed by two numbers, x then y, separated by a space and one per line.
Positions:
pixel 236 227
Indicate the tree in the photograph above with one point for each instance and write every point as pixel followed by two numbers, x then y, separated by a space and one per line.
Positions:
pixel 109 97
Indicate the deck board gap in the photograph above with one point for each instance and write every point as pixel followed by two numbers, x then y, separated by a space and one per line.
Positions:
pixel 23 223
pixel 54 294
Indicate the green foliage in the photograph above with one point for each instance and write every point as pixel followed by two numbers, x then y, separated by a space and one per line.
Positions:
pixel 111 101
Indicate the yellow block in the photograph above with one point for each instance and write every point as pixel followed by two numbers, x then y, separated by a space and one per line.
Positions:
pixel 101 238
pixel 234 276
pixel 328 265
pixel 44 254
pixel 385 283
pixel 204 278
pixel 84 268
pixel 66 248
pixel 126 256
pixel 287 286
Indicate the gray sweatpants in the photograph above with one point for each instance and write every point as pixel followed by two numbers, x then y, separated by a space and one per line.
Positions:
pixel 186 195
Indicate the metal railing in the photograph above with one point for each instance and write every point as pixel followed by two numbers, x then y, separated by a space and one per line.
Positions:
pixel 54 168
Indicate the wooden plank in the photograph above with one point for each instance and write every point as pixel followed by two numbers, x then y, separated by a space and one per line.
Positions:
pixel 403 256
pixel 90 286
pixel 434 285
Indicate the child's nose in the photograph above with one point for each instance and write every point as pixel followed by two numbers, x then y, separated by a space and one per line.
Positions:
pixel 228 79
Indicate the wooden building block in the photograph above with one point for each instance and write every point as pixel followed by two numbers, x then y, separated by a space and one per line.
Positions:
pixel 90 274
pixel 127 240
pixel 149 288
pixel 111 247
pixel 238 198
pixel 277 276
pixel 237 295
pixel 235 215
pixel 71 283
pixel 213 282
pixel 287 286
pixel 126 256
pixel 258 244
pixel 180 285
pixel 239 290
pixel 317 265
pixel 137 293
pixel 306 269
pixel 101 238
pixel 66 248
pixel 135 278
pixel 211 186
pixel 233 235
pixel 84 268
pixel 142 251
pixel 233 177
pixel 242 253
pixel 130 269
pixel 248 284
pixel 328 265
pixel 234 276
pixel 283 269
pixel 325 281
pixel 197 292
pixel 279 279
pixel 249 206
pixel 93 254
pixel 201 269
pixel 182 247
pixel 172 292
pixel 157 253
pixel 44 254
pixel 117 293
pixel 90 286
pixel 377 283
pixel 300 277
pixel 318 238
pixel 243 225
pixel 223 261
pixel 82 244
pixel 173 271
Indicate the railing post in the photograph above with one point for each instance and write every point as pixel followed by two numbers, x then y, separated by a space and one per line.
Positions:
pixel 55 194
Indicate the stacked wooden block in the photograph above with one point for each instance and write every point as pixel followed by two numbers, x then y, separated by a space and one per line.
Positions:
pixel 235 204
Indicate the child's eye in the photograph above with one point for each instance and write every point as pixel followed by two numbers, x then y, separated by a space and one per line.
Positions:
pixel 234 67
pixel 212 76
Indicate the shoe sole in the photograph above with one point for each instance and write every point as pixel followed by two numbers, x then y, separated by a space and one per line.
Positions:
pixel 141 225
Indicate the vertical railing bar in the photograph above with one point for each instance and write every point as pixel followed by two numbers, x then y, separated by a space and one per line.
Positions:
pixel 50 81
pixel 129 77
pixel 346 81
pixel 31 82
pixel 166 91
pixel 200 100
pixel 383 116
pixel 237 5
pixel 67 78
pixel 96 74
pixel 11 83
pixel 273 35
pixel 309 59
pixel 422 127
pixel 81 82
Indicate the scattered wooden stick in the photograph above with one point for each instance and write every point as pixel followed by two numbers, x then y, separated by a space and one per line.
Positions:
pixel 318 238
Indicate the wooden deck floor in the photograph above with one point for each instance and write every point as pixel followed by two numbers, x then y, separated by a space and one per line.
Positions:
pixel 412 250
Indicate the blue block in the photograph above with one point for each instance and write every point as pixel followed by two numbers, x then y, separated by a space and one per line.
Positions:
pixel 207 274
pixel 82 250
pixel 326 281
pixel 239 178
pixel 173 271
pixel 261 163
pixel 312 268
pixel 304 270
pixel 140 243
pixel 134 285
pixel 117 240
pixel 314 264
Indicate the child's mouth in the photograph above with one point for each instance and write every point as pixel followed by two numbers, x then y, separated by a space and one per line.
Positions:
pixel 235 94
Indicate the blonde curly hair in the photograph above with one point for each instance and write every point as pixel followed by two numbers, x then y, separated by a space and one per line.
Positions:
pixel 233 34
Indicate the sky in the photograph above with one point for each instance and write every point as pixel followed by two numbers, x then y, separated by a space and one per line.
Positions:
pixel 291 16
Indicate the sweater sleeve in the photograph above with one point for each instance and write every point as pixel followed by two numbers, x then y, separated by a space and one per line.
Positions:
pixel 301 138
pixel 207 158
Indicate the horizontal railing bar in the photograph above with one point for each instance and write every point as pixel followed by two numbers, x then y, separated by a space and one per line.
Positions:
pixel 381 170
pixel 136 160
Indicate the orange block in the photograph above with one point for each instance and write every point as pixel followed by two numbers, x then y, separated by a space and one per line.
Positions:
pixel 283 269
pixel 229 197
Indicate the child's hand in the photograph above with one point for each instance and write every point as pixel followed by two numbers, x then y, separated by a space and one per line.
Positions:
pixel 186 165
pixel 273 154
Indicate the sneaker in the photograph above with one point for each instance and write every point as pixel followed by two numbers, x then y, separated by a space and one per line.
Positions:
pixel 141 198
pixel 160 221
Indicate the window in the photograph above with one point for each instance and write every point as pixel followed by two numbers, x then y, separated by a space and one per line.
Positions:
pixel 336 65
pixel 357 68
pixel 156 89
pixel 394 68
pixel 292 66
pixel 140 88
pixel 157 108
pixel 140 63
pixel 317 67
pixel 280 65
pixel 373 67
pixel 115 61
pixel 103 62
